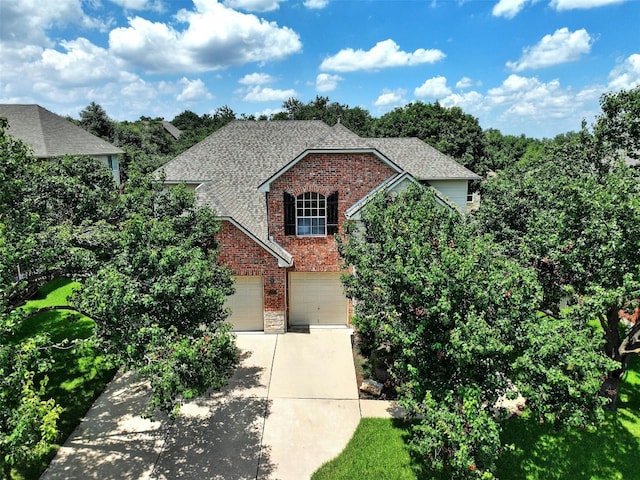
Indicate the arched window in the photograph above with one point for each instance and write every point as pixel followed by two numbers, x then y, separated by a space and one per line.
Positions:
pixel 311 214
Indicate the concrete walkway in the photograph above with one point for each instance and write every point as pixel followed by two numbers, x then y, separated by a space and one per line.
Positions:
pixel 291 406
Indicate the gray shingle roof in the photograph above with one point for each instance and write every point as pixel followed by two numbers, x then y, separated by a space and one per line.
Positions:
pixel 174 131
pixel 235 160
pixel 50 135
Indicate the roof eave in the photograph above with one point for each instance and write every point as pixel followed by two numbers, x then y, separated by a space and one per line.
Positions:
pixel 285 259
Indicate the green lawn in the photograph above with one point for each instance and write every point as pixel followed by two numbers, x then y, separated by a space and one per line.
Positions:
pixel 78 376
pixel 378 448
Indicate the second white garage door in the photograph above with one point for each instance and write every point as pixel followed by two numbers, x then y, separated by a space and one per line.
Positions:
pixel 246 304
pixel 317 299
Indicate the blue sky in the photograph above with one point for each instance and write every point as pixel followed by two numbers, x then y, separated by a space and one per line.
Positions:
pixel 536 67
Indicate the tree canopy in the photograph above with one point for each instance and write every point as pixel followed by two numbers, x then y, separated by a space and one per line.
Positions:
pixel 356 119
pixel 572 211
pixel 456 322
pixel 147 261
pixel 449 130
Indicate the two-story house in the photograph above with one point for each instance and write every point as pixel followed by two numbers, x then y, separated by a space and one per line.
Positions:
pixel 282 190
pixel 50 135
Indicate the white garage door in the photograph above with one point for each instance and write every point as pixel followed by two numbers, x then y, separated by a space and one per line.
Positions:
pixel 317 299
pixel 246 304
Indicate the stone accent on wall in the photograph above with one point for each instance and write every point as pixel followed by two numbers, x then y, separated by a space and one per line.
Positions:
pixel 274 322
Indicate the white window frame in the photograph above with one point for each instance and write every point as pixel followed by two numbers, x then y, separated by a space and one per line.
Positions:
pixel 311 215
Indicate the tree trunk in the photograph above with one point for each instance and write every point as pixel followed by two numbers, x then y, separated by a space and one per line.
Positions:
pixel 611 385
pixel 620 350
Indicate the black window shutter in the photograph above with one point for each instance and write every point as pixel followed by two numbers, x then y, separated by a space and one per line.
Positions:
pixel 332 213
pixel 289 214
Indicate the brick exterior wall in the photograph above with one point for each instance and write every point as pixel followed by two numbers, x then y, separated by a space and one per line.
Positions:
pixel 352 175
pixel 245 257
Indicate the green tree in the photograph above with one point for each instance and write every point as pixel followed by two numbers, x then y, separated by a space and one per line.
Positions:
pixel 573 212
pixel 94 119
pixel 355 119
pixel 158 303
pixel 27 419
pixel 151 283
pixel 195 128
pixel 146 144
pixel 449 130
pixel 456 324
pixel 504 150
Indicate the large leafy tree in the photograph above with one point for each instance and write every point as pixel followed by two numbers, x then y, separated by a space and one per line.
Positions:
pixel 449 130
pixel 196 127
pixel 572 212
pixel 504 150
pixel 147 259
pixel 158 303
pixel 455 322
pixel 94 119
pixel 356 119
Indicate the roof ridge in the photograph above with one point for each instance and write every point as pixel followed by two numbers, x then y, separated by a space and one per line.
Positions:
pixel 42 114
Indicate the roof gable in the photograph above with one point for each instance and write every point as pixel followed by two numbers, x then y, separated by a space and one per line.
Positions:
pixel 394 184
pixel 236 164
pixel 50 135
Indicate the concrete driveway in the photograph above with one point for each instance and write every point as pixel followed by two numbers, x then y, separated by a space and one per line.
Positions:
pixel 291 406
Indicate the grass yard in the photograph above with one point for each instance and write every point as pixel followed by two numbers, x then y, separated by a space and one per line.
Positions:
pixel 78 376
pixel 378 448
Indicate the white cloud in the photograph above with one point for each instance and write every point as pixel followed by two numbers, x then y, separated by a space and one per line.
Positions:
pixel 384 54
pixel 254 5
pixel 390 99
pixel 467 101
pixel 560 47
pixel 529 97
pixel 193 91
pixel 256 79
pixel 156 5
pixel 267 112
pixel 464 83
pixel 215 37
pixel 316 4
pixel 508 8
pixel 326 82
pixel 82 63
pixel 27 21
pixel 435 88
pixel 267 94
pixel 626 75
pixel 561 5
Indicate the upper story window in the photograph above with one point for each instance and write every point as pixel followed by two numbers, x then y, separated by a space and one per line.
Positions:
pixel 310 214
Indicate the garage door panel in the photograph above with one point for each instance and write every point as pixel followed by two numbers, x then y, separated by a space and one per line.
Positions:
pixel 317 299
pixel 246 304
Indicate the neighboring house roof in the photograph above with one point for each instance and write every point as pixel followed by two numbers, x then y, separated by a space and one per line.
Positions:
pixel 174 131
pixel 234 161
pixel 50 135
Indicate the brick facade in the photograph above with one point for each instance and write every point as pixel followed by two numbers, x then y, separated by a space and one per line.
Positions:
pixel 353 175
pixel 246 257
